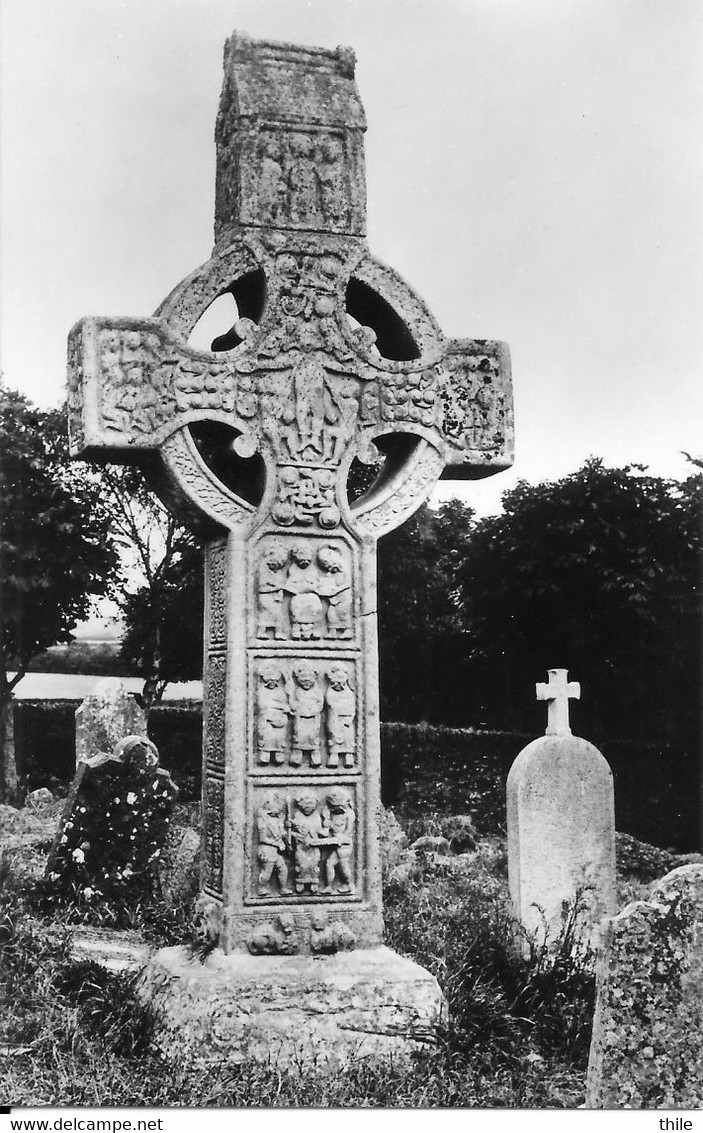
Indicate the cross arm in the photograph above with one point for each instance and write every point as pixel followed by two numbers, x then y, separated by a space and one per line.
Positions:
pixel 476 392
pixel 132 383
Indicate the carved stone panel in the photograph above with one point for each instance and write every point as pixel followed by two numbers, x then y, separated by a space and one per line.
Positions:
pixel 214 832
pixel 304 590
pixel 304 842
pixel 305 714
pixel 214 703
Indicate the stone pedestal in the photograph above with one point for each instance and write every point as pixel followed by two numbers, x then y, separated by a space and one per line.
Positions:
pixel 290 1010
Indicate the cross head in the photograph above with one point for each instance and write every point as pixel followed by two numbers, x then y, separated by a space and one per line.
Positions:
pixel 332 359
pixel 557 693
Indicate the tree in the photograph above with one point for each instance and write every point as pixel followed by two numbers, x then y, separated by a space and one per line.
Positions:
pixel 597 573
pixel 422 640
pixel 56 550
pixel 160 589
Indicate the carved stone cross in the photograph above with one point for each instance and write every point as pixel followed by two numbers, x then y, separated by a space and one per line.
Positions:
pixel 332 358
pixel 558 692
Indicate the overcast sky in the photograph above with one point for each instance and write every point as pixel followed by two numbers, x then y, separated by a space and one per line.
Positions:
pixel 534 170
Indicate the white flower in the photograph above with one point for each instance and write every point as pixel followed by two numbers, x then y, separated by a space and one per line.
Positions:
pixel 116 799
pixel 64 838
pixel 127 871
pixel 78 856
pixel 88 892
pixel 131 798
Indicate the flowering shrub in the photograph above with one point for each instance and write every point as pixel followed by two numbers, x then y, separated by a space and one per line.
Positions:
pixel 109 847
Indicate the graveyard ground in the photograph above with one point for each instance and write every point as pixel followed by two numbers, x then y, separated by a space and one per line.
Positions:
pixel 72 1033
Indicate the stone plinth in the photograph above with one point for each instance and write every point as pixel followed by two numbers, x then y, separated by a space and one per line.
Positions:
pixel 290 1010
pixel 647 1045
pixel 561 836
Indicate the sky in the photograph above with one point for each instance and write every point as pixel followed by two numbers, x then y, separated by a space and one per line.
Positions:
pixel 534 171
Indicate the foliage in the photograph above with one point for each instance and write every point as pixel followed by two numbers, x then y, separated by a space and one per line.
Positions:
pixel 422 646
pixel 161 587
pixel 56 548
pixel 597 573
pixel 56 544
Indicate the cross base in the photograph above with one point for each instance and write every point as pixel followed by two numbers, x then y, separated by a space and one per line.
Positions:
pixel 291 1011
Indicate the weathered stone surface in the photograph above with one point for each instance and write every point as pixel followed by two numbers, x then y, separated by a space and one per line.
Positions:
pixel 179 870
pixel 116 950
pixel 394 840
pixel 114 825
pixel 331 352
pixel 109 714
pixel 647 1045
pixel 39 798
pixel 430 843
pixel 290 1010
pixel 561 832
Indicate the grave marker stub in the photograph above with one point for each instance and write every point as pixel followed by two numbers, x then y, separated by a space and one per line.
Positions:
pixel 251 443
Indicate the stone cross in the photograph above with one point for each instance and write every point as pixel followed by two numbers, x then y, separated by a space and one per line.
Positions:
pixel 332 359
pixel 558 692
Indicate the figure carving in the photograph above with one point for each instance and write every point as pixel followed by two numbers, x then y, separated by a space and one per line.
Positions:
pixel 273 844
pixel 326 937
pixel 340 701
pixel 271 938
pixel 339 833
pixel 307 831
pixel 302 584
pixel 334 584
pixel 271 591
pixel 272 713
pixel 306 701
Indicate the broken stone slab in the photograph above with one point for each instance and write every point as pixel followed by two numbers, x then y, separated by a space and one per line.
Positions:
pixel 117 950
pixel 290 1011
pixel 647 1043
pixel 106 716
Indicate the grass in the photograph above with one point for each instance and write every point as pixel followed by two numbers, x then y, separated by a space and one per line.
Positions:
pixel 74 1034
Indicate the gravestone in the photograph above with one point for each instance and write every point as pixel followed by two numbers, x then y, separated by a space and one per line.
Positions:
pixel 106 716
pixel 113 827
pixel 332 359
pixel 647 1044
pixel 561 827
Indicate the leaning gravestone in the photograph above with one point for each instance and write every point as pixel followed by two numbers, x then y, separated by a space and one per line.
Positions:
pixel 561 827
pixel 113 826
pixel 106 716
pixel 647 1044
pixel 333 358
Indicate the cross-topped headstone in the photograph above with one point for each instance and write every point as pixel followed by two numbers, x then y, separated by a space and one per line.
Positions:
pixel 558 692
pixel 332 358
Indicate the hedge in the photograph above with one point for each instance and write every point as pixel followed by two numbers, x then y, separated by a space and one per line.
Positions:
pixel 424 769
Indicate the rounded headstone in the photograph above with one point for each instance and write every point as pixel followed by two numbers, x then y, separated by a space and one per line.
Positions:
pixel 561 837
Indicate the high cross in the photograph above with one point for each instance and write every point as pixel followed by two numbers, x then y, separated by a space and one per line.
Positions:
pixel 558 692
pixel 332 359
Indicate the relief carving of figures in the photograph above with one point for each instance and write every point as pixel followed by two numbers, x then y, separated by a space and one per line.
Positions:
pixel 302 582
pixel 306 701
pixel 334 584
pixel 304 842
pixel 340 702
pixel 307 832
pixel 339 833
pixel 304 591
pixel 327 937
pixel 271 591
pixel 301 715
pixel 272 710
pixel 274 938
pixel 273 844
pixel 472 405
